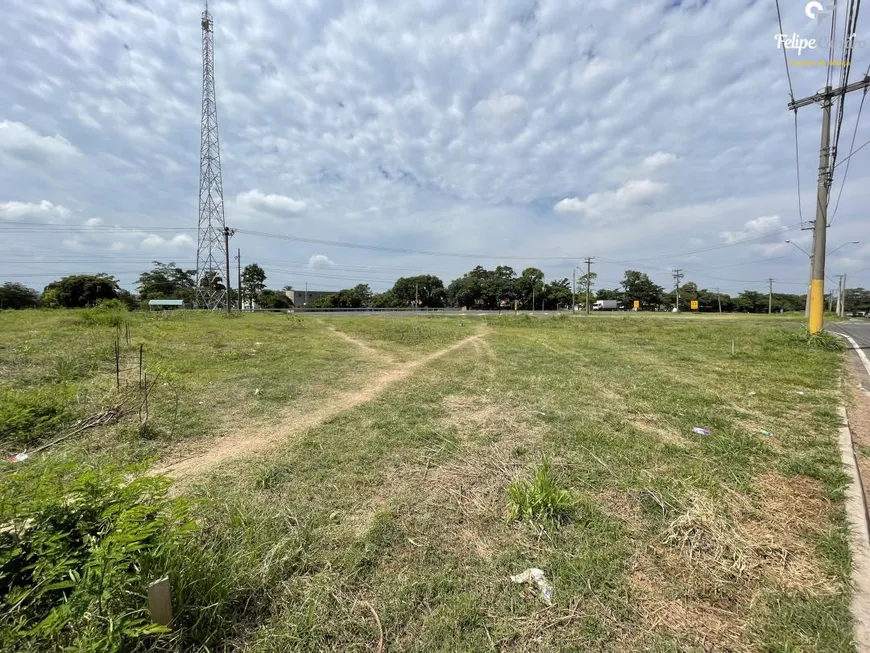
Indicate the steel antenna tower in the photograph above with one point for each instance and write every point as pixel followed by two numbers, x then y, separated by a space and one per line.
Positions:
pixel 211 250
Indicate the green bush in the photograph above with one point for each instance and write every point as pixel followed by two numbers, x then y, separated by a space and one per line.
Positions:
pixel 541 499
pixel 27 416
pixel 77 550
pixel 104 316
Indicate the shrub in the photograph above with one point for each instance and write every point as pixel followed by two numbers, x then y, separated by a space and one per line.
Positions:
pixel 820 340
pixel 541 499
pixel 26 416
pixel 77 550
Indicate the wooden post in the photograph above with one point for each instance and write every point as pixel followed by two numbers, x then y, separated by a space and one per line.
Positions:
pixel 141 353
pixel 160 601
pixel 118 362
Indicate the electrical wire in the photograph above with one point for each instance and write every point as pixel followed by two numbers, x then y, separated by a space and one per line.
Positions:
pixel 851 150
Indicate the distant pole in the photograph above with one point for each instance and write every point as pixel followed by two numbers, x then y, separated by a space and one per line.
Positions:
pixel 678 275
pixel 573 290
pixel 227 234
pixel 239 277
pixel 588 281
pixel 306 294
pixel 719 300
pixel 533 296
pixel 770 297
pixel 843 302
pixel 416 297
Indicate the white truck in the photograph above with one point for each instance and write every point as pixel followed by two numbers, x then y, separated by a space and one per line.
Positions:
pixel 606 305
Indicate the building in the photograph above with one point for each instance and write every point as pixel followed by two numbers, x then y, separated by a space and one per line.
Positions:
pixel 306 298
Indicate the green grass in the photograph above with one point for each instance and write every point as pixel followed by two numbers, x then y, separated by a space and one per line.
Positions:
pixel 666 540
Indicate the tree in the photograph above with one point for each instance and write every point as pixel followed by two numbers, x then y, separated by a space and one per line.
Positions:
pixel 386 300
pixel 78 291
pixel 428 288
pixel 530 286
pixel 167 281
pixel 17 296
pixel 557 294
pixel 359 296
pixel 750 301
pixel 253 283
pixel 639 287
pixel 273 299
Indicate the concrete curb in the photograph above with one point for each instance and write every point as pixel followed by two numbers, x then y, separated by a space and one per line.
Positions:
pixel 859 523
pixel 859 539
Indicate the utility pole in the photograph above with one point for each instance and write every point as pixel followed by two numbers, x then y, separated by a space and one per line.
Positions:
pixel 588 281
pixel 416 298
pixel 826 177
pixel 770 298
pixel 718 300
pixel 533 296
pixel 843 302
pixel 227 233
pixel 574 290
pixel 239 277
pixel 306 294
pixel 678 275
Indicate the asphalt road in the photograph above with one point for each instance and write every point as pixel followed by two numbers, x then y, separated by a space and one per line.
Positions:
pixel 856 328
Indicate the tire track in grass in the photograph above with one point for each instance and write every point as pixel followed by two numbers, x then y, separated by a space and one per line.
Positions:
pixel 292 423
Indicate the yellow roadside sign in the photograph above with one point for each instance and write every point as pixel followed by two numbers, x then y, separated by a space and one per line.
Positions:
pixel 636 304
pixel 694 304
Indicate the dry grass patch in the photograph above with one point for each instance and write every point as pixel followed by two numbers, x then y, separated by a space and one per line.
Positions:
pixel 704 574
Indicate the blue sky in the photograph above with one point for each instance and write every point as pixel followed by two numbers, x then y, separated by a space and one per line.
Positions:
pixel 638 133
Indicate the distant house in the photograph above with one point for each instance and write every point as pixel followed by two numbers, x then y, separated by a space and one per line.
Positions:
pixel 306 298
pixel 165 304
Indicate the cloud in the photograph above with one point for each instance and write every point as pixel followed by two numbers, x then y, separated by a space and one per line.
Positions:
pixel 630 194
pixel 44 211
pixel 659 160
pixel 270 203
pixel 755 227
pixel 93 222
pixel 179 240
pixel 320 261
pixel 19 141
pixel 436 126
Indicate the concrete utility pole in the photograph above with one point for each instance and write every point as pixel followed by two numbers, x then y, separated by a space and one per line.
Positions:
pixel 227 233
pixel 239 277
pixel 718 300
pixel 678 275
pixel 843 302
pixel 588 281
pixel 770 298
pixel 416 298
pixel 826 177
pixel 574 290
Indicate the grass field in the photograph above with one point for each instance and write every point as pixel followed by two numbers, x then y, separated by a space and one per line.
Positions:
pixel 365 482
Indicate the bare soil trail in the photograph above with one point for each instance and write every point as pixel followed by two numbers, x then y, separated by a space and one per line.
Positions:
pixel 294 422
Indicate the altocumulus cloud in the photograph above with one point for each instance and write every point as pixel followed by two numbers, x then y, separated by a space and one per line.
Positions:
pixel 602 128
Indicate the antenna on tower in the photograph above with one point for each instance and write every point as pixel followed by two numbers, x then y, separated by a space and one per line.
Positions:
pixel 211 251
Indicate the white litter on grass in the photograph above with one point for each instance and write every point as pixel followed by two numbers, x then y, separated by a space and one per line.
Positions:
pixel 17 458
pixel 256 392
pixel 800 393
pixel 537 577
pixel 752 394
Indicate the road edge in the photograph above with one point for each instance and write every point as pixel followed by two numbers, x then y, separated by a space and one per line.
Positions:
pixel 859 525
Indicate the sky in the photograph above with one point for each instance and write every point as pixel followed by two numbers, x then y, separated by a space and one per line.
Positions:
pixel 432 136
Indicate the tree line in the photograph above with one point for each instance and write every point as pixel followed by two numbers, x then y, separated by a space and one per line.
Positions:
pixel 499 288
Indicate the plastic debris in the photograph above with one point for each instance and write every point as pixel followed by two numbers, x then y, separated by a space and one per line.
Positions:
pixel 17 458
pixel 752 394
pixel 256 392
pixel 767 433
pixel 537 577
pixel 701 431
pixel 800 393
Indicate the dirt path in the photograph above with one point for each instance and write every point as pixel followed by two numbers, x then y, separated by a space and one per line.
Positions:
pixel 292 423
pixel 362 345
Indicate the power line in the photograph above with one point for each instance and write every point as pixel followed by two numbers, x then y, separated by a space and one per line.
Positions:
pixel 851 150
pixel 791 95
